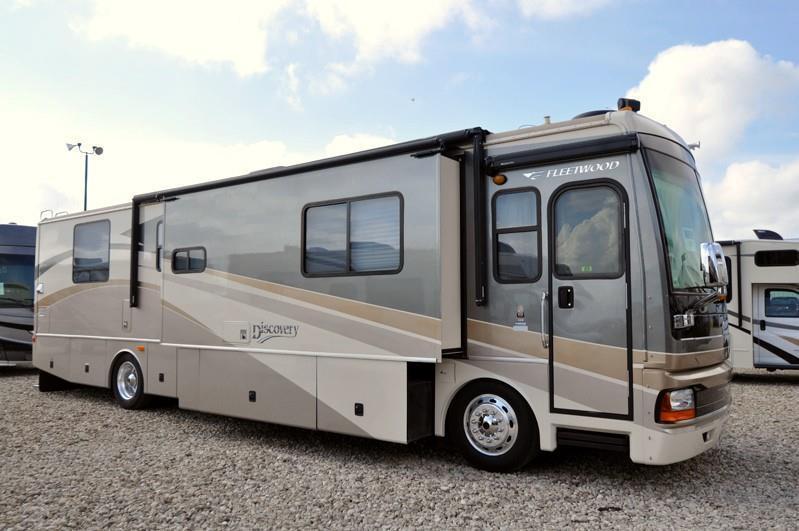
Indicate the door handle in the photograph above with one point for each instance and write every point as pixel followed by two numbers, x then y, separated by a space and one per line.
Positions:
pixel 544 331
pixel 566 297
pixel 762 324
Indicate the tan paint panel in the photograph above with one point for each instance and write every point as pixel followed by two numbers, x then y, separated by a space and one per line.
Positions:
pixel 409 322
pixel 524 342
pixel 62 294
pixel 592 357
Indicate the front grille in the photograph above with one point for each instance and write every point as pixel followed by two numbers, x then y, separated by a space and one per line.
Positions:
pixel 712 399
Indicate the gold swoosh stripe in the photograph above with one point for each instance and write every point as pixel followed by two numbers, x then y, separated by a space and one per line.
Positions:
pixel 410 322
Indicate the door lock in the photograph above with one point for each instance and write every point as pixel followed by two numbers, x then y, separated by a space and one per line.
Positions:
pixel 566 297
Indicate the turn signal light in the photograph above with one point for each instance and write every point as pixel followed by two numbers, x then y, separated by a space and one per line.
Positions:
pixel 140 348
pixel 676 405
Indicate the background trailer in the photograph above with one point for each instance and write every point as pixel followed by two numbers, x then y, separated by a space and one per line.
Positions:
pixel 763 303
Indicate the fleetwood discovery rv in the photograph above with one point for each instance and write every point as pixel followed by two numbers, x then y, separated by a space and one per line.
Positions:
pixel 17 250
pixel 514 292
pixel 763 303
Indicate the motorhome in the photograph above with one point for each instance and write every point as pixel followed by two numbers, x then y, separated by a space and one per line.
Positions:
pixel 763 302
pixel 514 292
pixel 17 250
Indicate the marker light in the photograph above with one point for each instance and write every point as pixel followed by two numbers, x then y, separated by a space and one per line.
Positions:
pixel 628 104
pixel 499 179
pixel 676 405
pixel 140 348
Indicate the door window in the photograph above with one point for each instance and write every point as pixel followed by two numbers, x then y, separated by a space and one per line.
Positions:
pixel 588 233
pixel 782 303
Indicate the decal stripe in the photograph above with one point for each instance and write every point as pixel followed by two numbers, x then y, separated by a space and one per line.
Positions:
pixel 777 351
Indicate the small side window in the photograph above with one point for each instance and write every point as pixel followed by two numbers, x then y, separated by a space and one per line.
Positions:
pixel 782 303
pixel 729 278
pixel 188 260
pixel 782 258
pixel 91 249
pixel 516 236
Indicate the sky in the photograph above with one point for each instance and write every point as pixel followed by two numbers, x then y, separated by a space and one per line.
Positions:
pixel 183 91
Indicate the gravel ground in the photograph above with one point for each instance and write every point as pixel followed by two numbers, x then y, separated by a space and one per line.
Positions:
pixel 73 459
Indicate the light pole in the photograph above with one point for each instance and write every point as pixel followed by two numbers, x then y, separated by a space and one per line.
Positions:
pixel 96 150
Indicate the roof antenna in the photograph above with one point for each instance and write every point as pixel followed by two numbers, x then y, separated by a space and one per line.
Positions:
pixel 697 145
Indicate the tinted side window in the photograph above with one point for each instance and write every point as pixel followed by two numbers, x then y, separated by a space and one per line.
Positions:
pixel 588 233
pixel 90 252
pixel 189 260
pixel 777 258
pixel 326 239
pixel 375 234
pixel 782 303
pixel 516 236
pixel 728 261
pixel 353 236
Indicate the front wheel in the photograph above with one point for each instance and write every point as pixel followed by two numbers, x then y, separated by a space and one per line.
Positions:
pixel 493 427
pixel 127 382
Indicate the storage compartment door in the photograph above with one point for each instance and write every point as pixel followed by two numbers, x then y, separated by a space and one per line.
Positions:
pixel 366 398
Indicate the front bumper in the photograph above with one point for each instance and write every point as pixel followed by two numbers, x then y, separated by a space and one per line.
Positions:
pixel 667 445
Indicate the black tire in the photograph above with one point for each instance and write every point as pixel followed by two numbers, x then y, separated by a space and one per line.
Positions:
pixel 131 396
pixel 514 452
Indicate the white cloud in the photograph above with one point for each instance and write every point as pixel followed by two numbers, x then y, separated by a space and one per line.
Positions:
pixel 343 144
pixel 713 92
pixel 292 87
pixel 552 9
pixel 201 32
pixel 236 32
pixel 755 195
pixel 38 172
pixel 389 29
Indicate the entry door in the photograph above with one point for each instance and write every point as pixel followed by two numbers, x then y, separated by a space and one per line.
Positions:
pixel 590 359
pixel 776 330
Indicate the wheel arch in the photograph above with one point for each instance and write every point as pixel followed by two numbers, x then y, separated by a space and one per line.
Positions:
pixel 113 365
pixel 441 428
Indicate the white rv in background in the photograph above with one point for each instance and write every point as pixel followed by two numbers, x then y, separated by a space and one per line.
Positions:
pixel 763 302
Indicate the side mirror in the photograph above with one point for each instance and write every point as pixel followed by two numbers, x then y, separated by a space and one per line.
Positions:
pixel 714 268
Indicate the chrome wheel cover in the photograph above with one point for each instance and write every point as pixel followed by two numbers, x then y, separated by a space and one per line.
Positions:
pixel 127 380
pixel 490 425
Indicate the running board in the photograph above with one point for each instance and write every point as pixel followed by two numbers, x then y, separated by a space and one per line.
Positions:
pixel 615 442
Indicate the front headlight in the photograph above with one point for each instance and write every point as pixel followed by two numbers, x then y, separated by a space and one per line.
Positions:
pixel 676 405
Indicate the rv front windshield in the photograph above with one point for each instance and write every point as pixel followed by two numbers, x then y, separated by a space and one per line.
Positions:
pixel 16 280
pixel 684 216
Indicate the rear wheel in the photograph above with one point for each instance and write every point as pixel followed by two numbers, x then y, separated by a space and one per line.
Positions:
pixel 127 382
pixel 493 427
